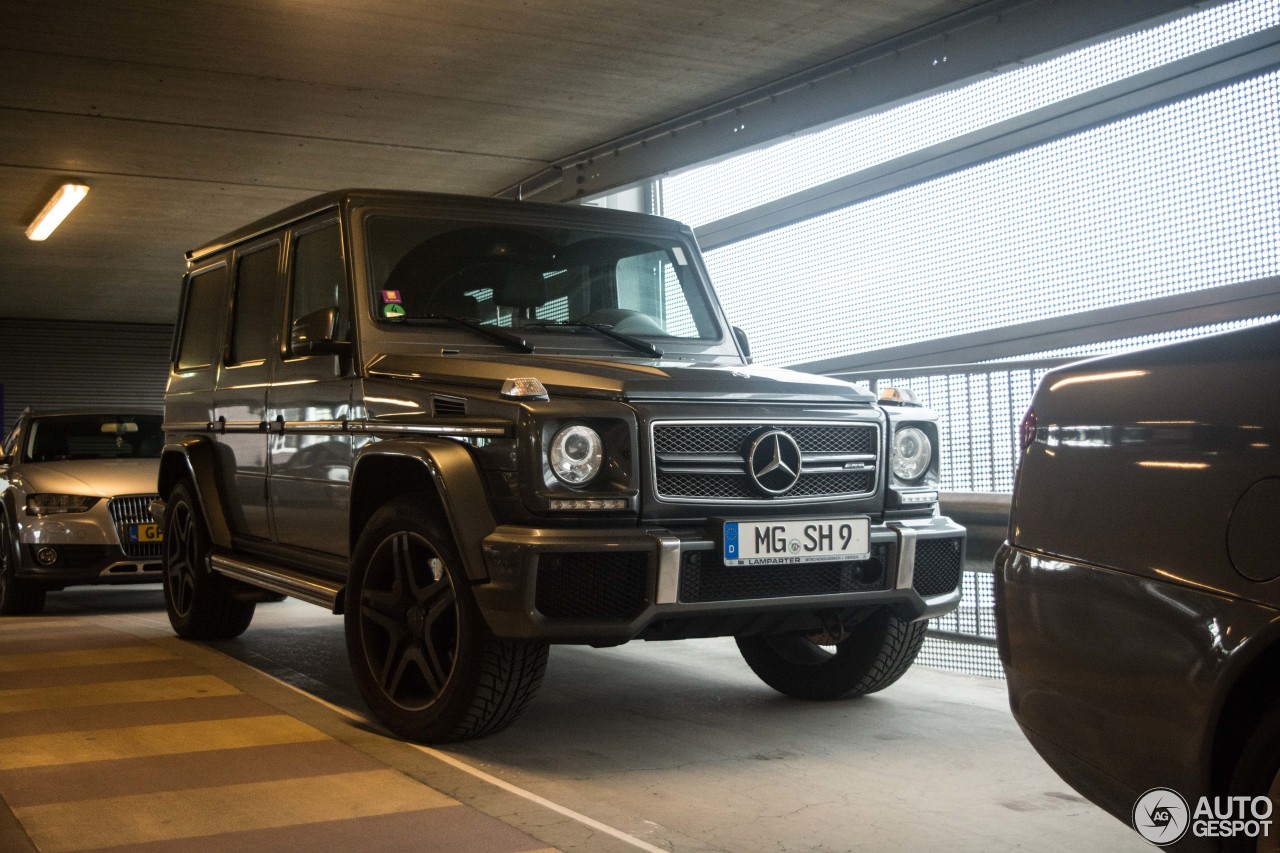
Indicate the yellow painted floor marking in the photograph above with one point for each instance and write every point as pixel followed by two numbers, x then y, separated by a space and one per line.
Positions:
pixel 137 819
pixel 85 657
pixel 21 627
pixel 140 741
pixel 112 693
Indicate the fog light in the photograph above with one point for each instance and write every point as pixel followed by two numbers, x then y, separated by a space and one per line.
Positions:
pixel 46 556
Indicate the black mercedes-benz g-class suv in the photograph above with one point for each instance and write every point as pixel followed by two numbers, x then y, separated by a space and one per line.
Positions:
pixel 475 427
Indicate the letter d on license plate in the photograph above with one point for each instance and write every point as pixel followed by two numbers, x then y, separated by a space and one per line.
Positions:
pixel 755 543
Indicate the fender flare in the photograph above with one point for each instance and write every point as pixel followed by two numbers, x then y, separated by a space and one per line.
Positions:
pixel 457 481
pixel 192 458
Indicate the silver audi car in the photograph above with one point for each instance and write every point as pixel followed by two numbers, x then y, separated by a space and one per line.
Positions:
pixel 75 491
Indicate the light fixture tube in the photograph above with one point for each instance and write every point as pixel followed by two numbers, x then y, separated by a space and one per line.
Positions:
pixel 62 203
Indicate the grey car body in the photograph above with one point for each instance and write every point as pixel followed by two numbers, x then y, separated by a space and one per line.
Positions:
pixel 75 489
pixel 480 423
pixel 1138 596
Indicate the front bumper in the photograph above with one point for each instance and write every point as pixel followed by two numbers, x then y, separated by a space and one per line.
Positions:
pixel 86 548
pixel 609 586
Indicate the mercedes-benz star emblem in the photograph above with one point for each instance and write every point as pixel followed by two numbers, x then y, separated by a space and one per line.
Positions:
pixel 774 462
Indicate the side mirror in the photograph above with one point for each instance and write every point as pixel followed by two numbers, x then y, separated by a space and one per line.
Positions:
pixel 315 333
pixel 743 344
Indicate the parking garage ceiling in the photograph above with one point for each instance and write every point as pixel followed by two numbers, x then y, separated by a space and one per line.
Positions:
pixel 188 119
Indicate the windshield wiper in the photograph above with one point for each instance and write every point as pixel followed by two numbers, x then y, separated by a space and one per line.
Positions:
pixel 608 331
pixel 513 341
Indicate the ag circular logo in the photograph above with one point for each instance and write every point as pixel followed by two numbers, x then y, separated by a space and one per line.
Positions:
pixel 1161 816
pixel 773 461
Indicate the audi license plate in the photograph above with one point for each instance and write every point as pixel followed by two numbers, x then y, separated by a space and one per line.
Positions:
pixel 757 543
pixel 145 533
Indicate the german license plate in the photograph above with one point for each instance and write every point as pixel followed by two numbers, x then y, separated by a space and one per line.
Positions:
pixel 757 543
pixel 145 533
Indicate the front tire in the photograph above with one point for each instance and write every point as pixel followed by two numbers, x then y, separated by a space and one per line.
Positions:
pixel 201 604
pixel 17 598
pixel 425 661
pixel 872 655
pixel 1257 774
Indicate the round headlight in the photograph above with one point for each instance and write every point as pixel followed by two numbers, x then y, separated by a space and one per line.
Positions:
pixel 912 453
pixel 575 454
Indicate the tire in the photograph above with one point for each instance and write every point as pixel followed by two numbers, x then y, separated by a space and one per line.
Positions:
pixel 1257 774
pixel 17 598
pixel 424 660
pixel 874 654
pixel 201 604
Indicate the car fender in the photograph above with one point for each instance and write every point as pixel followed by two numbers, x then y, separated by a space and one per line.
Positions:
pixel 191 458
pixel 447 467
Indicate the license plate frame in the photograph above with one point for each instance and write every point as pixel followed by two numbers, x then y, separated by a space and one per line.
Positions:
pixel 801 540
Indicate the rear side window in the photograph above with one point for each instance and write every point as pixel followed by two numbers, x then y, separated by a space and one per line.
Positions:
pixel 202 319
pixel 319 277
pixel 257 277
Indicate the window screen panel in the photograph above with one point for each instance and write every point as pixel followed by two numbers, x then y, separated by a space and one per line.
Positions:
pixel 707 193
pixel 1182 198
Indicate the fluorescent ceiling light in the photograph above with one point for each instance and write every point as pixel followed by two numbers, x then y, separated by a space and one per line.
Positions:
pixel 62 203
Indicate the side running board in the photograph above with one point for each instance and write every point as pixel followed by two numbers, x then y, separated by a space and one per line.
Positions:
pixel 326 593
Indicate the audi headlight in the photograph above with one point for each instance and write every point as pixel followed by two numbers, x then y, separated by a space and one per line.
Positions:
pixel 52 504
pixel 575 454
pixel 912 453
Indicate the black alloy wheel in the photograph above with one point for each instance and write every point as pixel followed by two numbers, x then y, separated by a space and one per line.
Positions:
pixel 201 605
pixel 423 657
pixel 409 621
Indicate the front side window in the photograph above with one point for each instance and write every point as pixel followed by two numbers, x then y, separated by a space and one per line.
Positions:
pixel 319 277
pixel 535 277
pixel 257 277
pixel 61 437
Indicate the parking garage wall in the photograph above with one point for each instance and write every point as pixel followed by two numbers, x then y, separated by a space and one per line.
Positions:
pixel 56 364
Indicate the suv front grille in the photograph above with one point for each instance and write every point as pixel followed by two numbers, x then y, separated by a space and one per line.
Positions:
pixel 134 509
pixel 705 577
pixel 697 461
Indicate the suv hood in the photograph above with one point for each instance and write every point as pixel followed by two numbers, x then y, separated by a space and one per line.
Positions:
pixel 102 478
pixel 638 381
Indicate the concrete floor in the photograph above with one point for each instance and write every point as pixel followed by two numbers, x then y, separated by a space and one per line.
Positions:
pixel 679 746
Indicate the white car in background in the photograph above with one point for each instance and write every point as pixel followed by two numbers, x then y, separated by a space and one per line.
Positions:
pixel 75 490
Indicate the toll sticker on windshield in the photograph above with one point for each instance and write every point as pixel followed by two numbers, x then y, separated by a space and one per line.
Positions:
pixel 392 297
pixel 678 254
pixel 393 311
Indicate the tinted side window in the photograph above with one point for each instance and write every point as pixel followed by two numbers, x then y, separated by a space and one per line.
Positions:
pixel 255 301
pixel 202 319
pixel 319 277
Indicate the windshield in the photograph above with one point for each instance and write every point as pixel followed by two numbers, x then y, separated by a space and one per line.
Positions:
pixel 60 437
pixel 535 277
